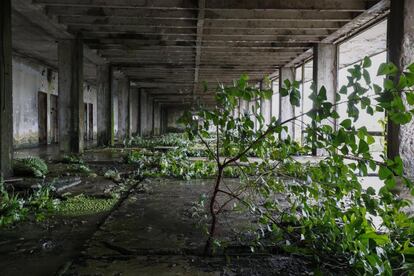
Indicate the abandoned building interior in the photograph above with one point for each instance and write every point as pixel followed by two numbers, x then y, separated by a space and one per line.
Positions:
pixel 163 137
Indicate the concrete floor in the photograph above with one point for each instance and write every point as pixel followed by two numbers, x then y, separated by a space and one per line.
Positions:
pixel 46 152
pixel 158 232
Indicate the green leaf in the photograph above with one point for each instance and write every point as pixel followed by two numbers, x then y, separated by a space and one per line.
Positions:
pixel 366 76
pixel 284 92
pixel 387 69
pixel 343 90
pixel 363 147
pixel 379 239
pixel 367 62
pixel 347 123
pixel 384 173
pixel 410 98
pixel 411 68
pixel 295 97
pixel 401 118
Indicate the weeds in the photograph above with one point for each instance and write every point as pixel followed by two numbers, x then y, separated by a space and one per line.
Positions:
pixel 31 166
pixel 15 208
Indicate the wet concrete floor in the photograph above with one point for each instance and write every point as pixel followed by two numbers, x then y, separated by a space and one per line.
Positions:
pixel 158 233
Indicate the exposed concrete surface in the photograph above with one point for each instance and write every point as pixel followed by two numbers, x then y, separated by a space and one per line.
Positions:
pixel 146 109
pixel 6 92
pixel 287 110
pixel 134 110
pixel 70 102
pixel 157 233
pixel 30 78
pixel 401 52
pixel 172 116
pixel 407 131
pixel 123 109
pixel 105 116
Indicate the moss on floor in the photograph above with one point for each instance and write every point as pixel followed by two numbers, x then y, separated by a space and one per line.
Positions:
pixel 83 205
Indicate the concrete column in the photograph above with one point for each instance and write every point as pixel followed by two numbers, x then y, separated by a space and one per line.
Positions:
pixel 400 44
pixel 244 107
pixel 325 70
pixel 146 113
pixel 123 109
pixel 6 103
pixel 286 110
pixel 266 106
pixel 134 110
pixel 325 74
pixel 70 100
pixel 156 119
pixel 105 114
pixel 130 107
pixel 142 112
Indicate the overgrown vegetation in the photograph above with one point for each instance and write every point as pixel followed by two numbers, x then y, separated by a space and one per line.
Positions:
pixel 168 140
pixel 82 205
pixel 175 163
pixel 329 216
pixel 31 166
pixel 14 207
pixel 76 164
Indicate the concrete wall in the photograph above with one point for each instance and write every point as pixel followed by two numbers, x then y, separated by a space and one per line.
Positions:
pixel 172 116
pixel 30 78
pixel 115 105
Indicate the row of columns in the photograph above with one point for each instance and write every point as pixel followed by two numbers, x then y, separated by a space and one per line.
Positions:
pixel 70 100
pixel 70 53
pixel 400 45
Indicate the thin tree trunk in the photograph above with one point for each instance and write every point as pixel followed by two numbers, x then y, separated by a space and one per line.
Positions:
pixel 213 213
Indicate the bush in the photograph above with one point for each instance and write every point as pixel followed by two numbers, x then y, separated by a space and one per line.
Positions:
pixel 14 208
pixel 326 215
pixel 31 166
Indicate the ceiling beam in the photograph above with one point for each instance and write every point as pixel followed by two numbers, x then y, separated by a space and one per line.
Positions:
pixel 375 13
pixel 37 17
pixel 322 5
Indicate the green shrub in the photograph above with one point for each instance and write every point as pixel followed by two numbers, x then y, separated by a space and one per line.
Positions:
pixel 14 208
pixel 72 159
pixel 31 166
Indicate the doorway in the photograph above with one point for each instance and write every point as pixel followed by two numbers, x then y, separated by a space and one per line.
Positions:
pixel 90 117
pixel 42 117
pixel 54 129
pixel 85 122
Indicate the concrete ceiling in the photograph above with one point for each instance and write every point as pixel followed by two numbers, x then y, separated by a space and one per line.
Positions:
pixel 171 46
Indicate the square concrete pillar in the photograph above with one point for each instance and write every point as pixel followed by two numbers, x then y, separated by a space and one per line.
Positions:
pixel 325 74
pixel 266 106
pixel 123 109
pixel 400 44
pixel 287 110
pixel 134 110
pixel 6 103
pixel 146 113
pixel 156 119
pixel 70 100
pixel 325 69
pixel 105 115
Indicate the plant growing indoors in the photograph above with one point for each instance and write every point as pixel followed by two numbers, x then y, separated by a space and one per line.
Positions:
pixel 326 214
